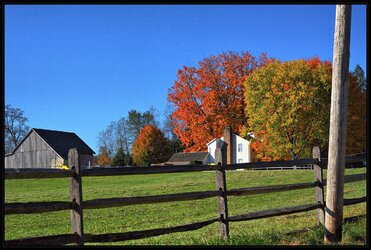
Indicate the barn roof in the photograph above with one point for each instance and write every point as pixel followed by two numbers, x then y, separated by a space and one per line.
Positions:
pixel 62 141
pixel 59 141
pixel 191 156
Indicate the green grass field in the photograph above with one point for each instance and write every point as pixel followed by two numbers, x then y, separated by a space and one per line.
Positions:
pixel 269 231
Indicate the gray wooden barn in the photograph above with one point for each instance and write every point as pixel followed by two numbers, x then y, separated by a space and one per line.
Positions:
pixel 42 148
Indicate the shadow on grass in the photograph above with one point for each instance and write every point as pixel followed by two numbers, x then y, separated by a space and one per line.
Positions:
pixel 354 233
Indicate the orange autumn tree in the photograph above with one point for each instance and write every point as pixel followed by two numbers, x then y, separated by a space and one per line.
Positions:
pixel 210 96
pixel 150 146
pixel 103 158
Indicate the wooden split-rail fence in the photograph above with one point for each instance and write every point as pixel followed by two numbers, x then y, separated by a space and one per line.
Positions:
pixel 76 205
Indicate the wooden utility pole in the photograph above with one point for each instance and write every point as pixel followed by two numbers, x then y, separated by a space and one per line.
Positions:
pixel 338 125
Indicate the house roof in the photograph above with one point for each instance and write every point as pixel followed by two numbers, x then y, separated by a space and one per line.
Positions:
pixel 60 141
pixel 211 141
pixel 191 156
pixel 222 138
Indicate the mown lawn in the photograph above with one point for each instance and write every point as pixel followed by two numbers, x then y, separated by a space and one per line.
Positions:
pixel 269 231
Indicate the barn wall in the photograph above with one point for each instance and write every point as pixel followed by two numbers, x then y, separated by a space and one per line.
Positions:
pixel 85 159
pixel 33 153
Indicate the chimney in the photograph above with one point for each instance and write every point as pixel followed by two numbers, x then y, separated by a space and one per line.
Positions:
pixel 227 134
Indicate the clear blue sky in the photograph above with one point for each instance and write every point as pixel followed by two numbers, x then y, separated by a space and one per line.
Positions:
pixel 78 67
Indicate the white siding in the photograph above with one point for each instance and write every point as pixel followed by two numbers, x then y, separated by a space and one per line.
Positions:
pixel 245 155
pixel 211 149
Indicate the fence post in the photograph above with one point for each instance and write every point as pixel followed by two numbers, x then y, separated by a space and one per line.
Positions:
pixel 221 185
pixel 318 176
pixel 76 215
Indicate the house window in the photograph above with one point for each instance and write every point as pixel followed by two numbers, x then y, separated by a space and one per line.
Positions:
pixel 239 147
pixel 239 160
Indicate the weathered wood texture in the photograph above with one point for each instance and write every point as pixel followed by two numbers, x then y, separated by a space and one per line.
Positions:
pixel 270 164
pixel 30 173
pixel 37 207
pixel 115 202
pixel 351 178
pixel 338 125
pixel 113 237
pixel 319 191
pixel 221 185
pixel 274 212
pixel 34 152
pixel 54 240
pixel 147 170
pixel 76 215
pixel 270 189
pixel 220 154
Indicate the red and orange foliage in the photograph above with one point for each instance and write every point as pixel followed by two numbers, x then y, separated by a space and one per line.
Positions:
pixel 104 159
pixel 150 146
pixel 210 96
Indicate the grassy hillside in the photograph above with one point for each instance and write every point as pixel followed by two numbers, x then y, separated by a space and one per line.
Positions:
pixel 140 217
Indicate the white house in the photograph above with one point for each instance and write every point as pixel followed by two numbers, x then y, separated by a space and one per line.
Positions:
pixel 234 149
pixel 238 148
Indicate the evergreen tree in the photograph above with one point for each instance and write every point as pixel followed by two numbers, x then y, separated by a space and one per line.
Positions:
pixel 359 73
pixel 119 159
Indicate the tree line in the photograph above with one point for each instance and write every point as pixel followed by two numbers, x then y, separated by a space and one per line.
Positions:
pixel 285 105
pixel 137 140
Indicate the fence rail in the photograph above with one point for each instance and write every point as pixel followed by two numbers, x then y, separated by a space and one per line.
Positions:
pixel 30 173
pixel 270 189
pixel 76 205
pixel 37 207
pixel 274 212
pixel 55 240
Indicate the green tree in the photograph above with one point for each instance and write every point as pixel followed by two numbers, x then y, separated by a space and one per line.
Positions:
pixel 122 133
pixel 137 120
pixel 287 104
pixel 119 159
pixel 359 73
pixel 128 159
